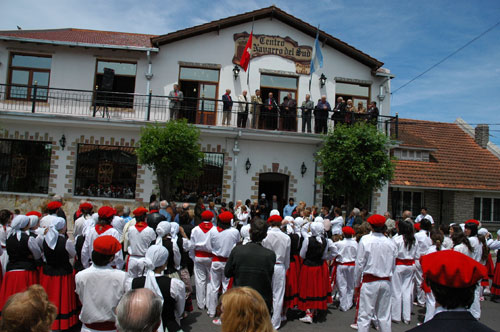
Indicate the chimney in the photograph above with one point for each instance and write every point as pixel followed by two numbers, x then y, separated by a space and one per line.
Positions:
pixel 482 135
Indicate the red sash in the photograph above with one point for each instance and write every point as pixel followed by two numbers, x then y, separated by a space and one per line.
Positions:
pixel 371 278
pixel 199 253
pixel 347 263
pixel 408 262
pixel 219 259
pixel 102 326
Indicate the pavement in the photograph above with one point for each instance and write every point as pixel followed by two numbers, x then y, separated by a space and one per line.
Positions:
pixel 337 321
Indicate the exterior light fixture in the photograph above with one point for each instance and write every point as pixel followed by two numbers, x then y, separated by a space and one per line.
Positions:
pixel 303 169
pixel 62 142
pixel 248 164
pixel 322 80
pixel 236 71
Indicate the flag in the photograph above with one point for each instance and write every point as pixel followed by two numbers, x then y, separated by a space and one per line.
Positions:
pixel 317 57
pixel 245 57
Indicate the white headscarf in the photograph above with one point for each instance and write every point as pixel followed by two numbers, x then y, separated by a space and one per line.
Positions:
pixel 317 229
pixel 162 229
pixel 19 222
pixel 46 221
pixel 155 256
pixel 274 212
pixel 174 230
pixel 319 219
pixel 297 224
pixel 498 233
pixel 245 234
pixel 33 221
pixel 289 224
pixel 482 231
pixel 53 232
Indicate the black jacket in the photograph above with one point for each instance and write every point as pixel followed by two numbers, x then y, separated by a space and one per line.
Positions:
pixel 456 321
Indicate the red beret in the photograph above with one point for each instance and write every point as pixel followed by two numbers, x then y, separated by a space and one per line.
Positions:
pixel 106 212
pixel 54 205
pixel 107 245
pixel 140 211
pixel 377 220
pixel 86 206
pixel 226 217
pixel 417 226
pixel 207 215
pixel 274 218
pixel 34 213
pixel 348 230
pixel 472 221
pixel 452 269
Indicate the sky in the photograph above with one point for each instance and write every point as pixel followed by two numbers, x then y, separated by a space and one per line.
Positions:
pixel 408 36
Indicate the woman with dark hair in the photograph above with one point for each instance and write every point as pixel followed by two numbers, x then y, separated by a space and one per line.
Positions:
pixel 423 243
pixel 404 273
pixel 461 244
pixel 471 227
pixel 198 210
pixel 447 242
pixel 430 302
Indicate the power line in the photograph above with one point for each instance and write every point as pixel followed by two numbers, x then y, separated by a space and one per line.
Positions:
pixel 447 57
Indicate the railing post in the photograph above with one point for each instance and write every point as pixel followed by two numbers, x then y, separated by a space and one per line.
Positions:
pixel 397 126
pixel 202 107
pixel 95 100
pixel 33 101
pixel 148 114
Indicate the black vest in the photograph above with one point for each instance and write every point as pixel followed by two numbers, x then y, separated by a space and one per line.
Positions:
pixel 315 249
pixel 57 260
pixel 20 256
pixel 168 313
pixel 294 246
pixel 167 243
pixel 78 247
pixel 184 254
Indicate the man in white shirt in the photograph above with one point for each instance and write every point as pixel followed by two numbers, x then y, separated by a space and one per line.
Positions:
pixel 337 222
pixel 140 237
pixel 346 258
pixel 375 261
pixel 100 287
pixel 471 228
pixel 223 239
pixel 243 108
pixel 423 214
pixel 279 243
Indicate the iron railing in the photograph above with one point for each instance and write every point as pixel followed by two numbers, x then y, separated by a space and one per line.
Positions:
pixel 203 111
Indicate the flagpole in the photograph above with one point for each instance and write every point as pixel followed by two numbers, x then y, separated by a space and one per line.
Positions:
pixel 250 60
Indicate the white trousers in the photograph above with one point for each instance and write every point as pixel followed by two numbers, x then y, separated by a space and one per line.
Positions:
pixel 4 260
pixel 402 292
pixel 345 285
pixel 216 279
pixel 201 279
pixel 430 306
pixel 418 283
pixel 279 281
pixel 475 308
pixel 375 300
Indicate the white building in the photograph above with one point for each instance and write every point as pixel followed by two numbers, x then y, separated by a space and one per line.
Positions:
pixel 98 151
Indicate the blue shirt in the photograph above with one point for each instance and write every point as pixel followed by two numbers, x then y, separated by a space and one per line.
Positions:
pixel 164 212
pixel 288 209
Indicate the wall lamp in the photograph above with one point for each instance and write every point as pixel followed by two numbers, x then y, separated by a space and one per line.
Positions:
pixel 62 142
pixel 236 71
pixel 322 80
pixel 248 164
pixel 303 169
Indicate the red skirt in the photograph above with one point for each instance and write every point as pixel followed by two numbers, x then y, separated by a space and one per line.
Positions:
pixel 61 292
pixel 314 287
pixel 495 285
pixel 16 282
pixel 292 284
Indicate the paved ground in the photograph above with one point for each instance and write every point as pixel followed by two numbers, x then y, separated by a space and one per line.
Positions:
pixel 338 321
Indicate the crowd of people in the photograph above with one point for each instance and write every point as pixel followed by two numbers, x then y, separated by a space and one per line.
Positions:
pixel 252 265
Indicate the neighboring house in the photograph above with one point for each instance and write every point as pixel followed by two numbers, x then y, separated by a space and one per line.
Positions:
pixel 450 168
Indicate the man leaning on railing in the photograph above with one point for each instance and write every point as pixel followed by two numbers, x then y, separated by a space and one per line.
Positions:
pixel 176 96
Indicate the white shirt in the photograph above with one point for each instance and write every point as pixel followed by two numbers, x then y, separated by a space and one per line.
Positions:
pixel 376 255
pixel 139 242
pixel 118 223
pixel 347 249
pixel 88 247
pixel 423 242
pixel 403 252
pixel 421 216
pixel 280 243
pixel 464 250
pixel 478 248
pixel 3 235
pixel 243 218
pixel 124 238
pixel 81 225
pixel 201 240
pixel 493 244
pixel 223 242
pixel 447 242
pixel 337 224
pixel 100 289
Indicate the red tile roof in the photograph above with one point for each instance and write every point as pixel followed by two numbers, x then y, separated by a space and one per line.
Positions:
pixel 84 36
pixel 457 162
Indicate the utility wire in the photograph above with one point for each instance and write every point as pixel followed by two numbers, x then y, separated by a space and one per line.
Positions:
pixel 447 57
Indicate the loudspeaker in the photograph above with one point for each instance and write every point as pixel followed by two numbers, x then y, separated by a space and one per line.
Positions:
pixel 107 80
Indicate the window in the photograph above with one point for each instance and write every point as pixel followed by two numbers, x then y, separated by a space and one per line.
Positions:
pixel 26 70
pixel 25 166
pixel 199 74
pixel 106 171
pixel 283 82
pixel 487 209
pixel 406 154
pixel 406 200
pixel 208 185
pixel 115 89
pixel 356 92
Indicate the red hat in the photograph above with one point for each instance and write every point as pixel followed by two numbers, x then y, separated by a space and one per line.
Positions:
pixel 107 245
pixel 274 218
pixel 34 213
pixel 417 226
pixel 86 206
pixel 207 215
pixel 377 220
pixel 472 221
pixel 452 269
pixel 226 217
pixel 140 211
pixel 54 205
pixel 106 212
pixel 348 230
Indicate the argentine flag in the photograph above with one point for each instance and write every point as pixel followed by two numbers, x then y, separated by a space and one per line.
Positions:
pixel 317 57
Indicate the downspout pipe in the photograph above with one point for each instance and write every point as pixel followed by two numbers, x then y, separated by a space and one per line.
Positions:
pixel 148 75
pixel 236 151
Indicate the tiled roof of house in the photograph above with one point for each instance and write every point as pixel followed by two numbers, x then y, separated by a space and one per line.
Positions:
pixel 456 162
pixel 84 36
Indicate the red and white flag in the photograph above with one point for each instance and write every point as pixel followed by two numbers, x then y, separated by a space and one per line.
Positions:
pixel 247 53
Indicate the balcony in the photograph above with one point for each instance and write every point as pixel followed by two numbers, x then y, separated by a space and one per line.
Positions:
pixel 154 108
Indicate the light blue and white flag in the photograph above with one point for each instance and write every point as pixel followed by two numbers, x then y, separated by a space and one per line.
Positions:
pixel 317 56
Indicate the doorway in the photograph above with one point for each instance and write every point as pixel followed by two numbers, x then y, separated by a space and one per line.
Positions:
pixel 274 184
pixel 199 104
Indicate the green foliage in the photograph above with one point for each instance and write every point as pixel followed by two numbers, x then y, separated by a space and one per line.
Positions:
pixel 355 161
pixel 172 150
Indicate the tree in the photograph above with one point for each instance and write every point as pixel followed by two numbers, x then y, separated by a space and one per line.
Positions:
pixel 355 161
pixel 172 150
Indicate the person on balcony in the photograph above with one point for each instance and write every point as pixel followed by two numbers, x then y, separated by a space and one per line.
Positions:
pixel 256 110
pixel 307 107
pixel 373 113
pixel 321 115
pixel 243 109
pixel 289 108
pixel 176 97
pixel 271 112
pixel 338 114
pixel 227 107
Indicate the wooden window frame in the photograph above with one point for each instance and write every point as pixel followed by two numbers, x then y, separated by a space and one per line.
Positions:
pixel 30 78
